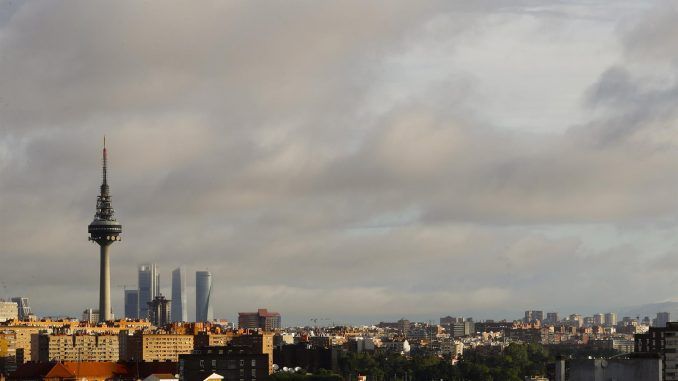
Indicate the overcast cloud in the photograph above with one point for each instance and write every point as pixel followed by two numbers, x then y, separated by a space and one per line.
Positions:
pixel 350 160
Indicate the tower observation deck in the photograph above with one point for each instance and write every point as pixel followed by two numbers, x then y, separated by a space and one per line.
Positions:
pixel 104 230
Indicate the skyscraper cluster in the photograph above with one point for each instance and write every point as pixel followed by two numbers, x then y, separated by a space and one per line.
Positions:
pixel 143 302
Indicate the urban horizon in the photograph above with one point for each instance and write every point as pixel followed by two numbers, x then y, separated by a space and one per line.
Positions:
pixel 479 189
pixel 347 190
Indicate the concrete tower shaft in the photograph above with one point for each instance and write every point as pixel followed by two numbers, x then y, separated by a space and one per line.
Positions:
pixel 104 230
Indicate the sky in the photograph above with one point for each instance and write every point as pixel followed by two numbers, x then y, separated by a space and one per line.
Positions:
pixel 348 161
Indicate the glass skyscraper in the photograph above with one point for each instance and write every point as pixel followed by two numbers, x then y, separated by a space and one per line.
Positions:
pixel 203 296
pixel 179 310
pixel 132 304
pixel 149 287
pixel 24 308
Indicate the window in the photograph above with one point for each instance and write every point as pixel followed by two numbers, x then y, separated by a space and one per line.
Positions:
pixel 242 363
pixel 254 363
pixel 202 363
pixel 254 373
pixel 214 363
pixel 242 372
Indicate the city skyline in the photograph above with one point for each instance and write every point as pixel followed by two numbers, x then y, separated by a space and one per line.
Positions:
pixel 478 159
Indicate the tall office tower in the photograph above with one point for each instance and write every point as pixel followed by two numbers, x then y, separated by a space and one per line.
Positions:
pixel 132 304
pixel 598 319
pixel 148 287
pixel 104 230
pixel 610 319
pixel 203 296
pixel 24 308
pixel 179 310
pixel 159 311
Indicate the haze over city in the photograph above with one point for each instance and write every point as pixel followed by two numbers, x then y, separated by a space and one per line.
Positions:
pixel 347 160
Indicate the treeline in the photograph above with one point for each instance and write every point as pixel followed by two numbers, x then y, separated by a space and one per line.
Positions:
pixel 513 364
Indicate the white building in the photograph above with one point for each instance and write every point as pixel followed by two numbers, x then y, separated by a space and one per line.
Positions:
pixel 90 315
pixel 397 346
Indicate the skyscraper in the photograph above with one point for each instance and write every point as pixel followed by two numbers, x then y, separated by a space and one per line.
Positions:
pixel 203 296
pixel 148 287
pixel 104 230
pixel 132 304
pixel 24 308
pixel 179 311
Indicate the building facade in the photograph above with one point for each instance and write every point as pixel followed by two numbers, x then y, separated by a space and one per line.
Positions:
pixel 23 307
pixel 661 319
pixel 132 304
pixel 8 311
pixel 234 363
pixel 632 369
pixel 203 296
pixel 154 347
pixel 262 319
pixel 90 315
pixel 531 316
pixel 610 319
pixel 149 287
pixel 56 347
pixel 179 304
pixel 159 311
pixel 662 341
pixel 552 318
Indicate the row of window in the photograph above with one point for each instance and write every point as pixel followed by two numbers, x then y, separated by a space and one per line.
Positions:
pixel 230 363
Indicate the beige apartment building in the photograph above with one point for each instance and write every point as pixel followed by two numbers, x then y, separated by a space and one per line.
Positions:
pixel 154 347
pixel 22 338
pixel 8 311
pixel 260 342
pixel 75 348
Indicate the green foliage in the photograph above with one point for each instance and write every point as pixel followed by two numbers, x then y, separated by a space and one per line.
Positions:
pixel 513 364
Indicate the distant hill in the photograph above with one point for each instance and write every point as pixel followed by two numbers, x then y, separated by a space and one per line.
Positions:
pixel 650 310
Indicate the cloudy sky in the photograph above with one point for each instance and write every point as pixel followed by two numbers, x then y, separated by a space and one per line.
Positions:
pixel 352 160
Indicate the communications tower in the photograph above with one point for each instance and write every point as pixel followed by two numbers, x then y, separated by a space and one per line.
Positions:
pixel 104 230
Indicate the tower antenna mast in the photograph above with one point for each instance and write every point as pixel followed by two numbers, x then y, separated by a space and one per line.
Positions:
pixel 104 230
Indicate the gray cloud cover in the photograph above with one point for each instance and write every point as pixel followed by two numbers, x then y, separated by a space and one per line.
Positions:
pixel 349 160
